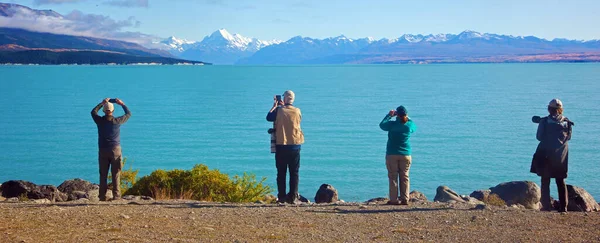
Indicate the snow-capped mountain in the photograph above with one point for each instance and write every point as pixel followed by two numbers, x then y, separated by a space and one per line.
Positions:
pixel 220 47
pixel 456 47
pixel 301 49
pixel 177 46
pixel 238 42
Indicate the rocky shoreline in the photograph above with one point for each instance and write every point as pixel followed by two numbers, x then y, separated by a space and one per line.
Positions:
pixel 525 194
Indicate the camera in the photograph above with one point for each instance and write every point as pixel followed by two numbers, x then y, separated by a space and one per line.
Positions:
pixel 278 98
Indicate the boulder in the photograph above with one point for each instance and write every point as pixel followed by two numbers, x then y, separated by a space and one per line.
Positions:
pixel 445 194
pixel 326 194
pixel 75 195
pixel 51 193
pixel 93 194
pixel 17 188
pixel 480 195
pixel 471 200
pixel 416 196
pixel 581 200
pixel 526 193
pixel 42 201
pixel 76 185
pixel 12 199
pixel 377 200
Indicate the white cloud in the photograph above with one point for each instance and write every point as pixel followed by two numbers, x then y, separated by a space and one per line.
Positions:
pixel 77 23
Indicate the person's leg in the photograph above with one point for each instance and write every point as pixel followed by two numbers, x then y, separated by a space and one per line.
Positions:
pixel 404 167
pixel 545 197
pixel 103 163
pixel 115 169
pixel 294 167
pixel 391 162
pixel 563 196
pixel 281 170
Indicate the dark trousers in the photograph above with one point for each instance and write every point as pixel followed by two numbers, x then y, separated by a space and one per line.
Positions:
pixel 110 158
pixel 284 160
pixel 562 194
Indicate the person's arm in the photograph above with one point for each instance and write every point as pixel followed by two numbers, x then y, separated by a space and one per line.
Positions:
pixel 272 115
pixel 95 115
pixel 541 129
pixel 570 127
pixel 385 124
pixel 273 112
pixel 122 119
pixel 413 127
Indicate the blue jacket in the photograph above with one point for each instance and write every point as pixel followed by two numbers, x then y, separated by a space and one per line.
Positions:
pixel 398 135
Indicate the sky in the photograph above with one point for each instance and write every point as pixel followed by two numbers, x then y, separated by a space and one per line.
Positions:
pixel 283 19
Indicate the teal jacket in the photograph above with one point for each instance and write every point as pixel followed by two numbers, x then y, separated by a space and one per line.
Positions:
pixel 398 135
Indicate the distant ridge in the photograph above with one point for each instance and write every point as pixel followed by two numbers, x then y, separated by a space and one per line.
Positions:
pixel 467 46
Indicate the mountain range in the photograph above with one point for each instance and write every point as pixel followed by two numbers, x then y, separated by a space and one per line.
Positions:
pixel 468 46
pixel 222 47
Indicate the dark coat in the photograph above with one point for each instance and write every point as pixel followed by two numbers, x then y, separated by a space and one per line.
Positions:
pixel 551 158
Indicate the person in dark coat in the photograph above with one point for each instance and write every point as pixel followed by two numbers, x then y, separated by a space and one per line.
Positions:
pixel 551 159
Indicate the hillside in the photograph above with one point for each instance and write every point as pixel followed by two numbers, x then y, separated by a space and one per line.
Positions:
pixel 50 57
pixel 19 46
pixel 32 39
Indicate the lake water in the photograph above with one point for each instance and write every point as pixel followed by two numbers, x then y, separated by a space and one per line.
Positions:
pixel 474 121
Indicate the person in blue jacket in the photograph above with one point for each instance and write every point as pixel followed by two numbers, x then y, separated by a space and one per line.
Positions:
pixel 398 153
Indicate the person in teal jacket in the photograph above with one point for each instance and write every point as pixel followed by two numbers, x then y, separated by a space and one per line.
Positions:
pixel 398 153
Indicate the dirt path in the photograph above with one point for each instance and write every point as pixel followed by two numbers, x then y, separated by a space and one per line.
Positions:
pixel 185 221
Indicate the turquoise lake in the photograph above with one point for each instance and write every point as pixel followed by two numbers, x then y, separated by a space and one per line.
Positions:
pixel 474 121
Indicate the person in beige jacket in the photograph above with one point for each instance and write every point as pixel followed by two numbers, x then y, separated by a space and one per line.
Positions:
pixel 288 140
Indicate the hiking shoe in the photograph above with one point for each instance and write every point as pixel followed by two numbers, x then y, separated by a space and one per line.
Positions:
pixel 392 203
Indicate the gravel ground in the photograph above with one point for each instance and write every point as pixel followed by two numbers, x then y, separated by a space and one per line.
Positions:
pixel 190 221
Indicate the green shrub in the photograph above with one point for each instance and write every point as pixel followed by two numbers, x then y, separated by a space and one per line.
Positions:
pixel 200 183
pixel 127 179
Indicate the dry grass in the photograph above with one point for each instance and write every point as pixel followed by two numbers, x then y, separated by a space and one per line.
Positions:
pixel 166 193
pixel 494 200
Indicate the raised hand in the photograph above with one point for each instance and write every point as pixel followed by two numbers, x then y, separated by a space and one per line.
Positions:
pixel 276 102
pixel 106 100
pixel 119 101
pixel 392 113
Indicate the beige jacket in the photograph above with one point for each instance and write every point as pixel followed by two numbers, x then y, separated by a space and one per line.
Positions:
pixel 287 126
